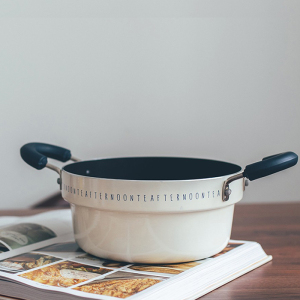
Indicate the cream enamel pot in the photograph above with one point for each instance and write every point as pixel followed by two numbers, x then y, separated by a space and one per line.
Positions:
pixel 152 209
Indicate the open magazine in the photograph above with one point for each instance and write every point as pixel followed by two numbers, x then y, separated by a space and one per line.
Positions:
pixel 61 270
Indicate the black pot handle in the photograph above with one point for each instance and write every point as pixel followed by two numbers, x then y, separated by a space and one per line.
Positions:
pixel 35 154
pixel 270 165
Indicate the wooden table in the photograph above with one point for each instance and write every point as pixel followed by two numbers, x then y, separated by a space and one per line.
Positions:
pixel 277 228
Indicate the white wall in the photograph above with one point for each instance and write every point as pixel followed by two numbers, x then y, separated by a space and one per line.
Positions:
pixel 213 79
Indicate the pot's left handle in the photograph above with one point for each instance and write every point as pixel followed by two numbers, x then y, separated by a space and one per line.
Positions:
pixel 36 154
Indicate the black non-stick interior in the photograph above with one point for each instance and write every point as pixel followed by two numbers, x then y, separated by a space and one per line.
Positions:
pixel 152 168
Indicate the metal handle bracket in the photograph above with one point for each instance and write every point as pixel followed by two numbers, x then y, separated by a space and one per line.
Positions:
pixel 58 170
pixel 226 191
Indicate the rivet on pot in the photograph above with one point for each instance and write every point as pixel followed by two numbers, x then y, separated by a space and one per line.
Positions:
pixel 227 192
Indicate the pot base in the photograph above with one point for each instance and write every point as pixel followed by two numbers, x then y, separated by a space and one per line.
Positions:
pixel 152 238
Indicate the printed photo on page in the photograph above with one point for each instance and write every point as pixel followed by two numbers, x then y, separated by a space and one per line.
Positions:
pixel 120 284
pixel 64 274
pixel 26 261
pixel 33 232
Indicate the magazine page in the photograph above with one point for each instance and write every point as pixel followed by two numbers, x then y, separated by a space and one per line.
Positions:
pixel 64 267
pixel 23 234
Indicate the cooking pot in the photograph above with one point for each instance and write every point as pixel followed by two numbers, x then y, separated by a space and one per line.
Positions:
pixel 152 209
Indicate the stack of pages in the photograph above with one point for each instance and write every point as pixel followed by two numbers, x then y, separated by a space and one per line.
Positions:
pixel 40 259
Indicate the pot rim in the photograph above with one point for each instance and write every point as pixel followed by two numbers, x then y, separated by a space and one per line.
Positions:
pixel 150 181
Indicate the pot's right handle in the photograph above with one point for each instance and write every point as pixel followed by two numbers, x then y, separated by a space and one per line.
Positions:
pixel 267 166
pixel 270 165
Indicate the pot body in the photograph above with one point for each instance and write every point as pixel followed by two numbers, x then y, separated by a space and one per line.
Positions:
pixel 150 221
